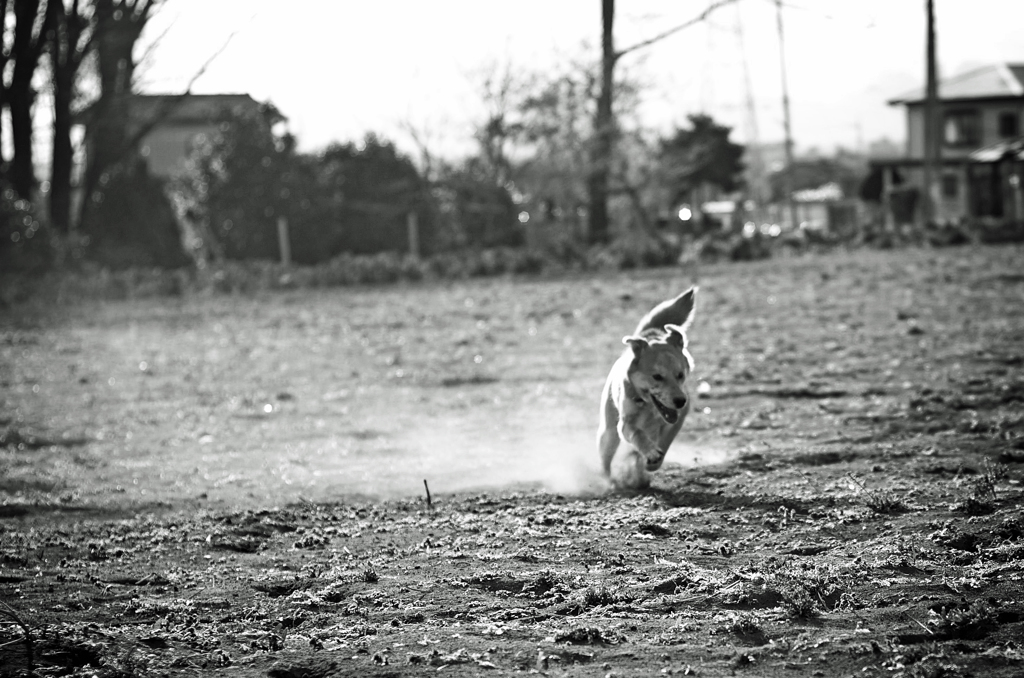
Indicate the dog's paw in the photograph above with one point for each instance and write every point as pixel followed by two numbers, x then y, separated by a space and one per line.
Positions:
pixel 634 484
pixel 631 473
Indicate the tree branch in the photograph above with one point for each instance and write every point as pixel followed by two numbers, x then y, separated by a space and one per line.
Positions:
pixel 165 108
pixel 172 102
pixel 672 31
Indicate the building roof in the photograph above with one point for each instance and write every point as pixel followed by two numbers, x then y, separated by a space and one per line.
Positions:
pixel 184 108
pixel 1012 148
pixel 178 108
pixel 995 81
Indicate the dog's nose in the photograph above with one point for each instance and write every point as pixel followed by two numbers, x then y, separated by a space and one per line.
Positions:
pixel 680 403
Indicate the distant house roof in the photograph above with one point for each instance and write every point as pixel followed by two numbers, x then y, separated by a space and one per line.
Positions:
pixel 995 81
pixel 1013 148
pixel 184 108
pixel 191 108
pixel 825 193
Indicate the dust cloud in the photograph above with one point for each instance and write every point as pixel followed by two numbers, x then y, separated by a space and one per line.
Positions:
pixel 557 454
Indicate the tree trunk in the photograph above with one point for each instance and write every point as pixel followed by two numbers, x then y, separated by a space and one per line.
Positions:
pixel 604 131
pixel 119 24
pixel 19 103
pixel 20 95
pixel 67 27
pixel 4 58
pixel 60 171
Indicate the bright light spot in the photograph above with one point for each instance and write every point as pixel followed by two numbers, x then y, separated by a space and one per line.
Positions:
pixel 703 388
pixel 532 331
pixel 524 216
pixel 771 299
pixel 111 381
pixel 775 230
pixel 478 359
pixel 749 229
pixel 268 408
pixel 706 410
pixel 685 214
pixel 143 366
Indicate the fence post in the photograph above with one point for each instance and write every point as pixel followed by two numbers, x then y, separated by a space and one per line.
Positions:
pixel 412 221
pixel 284 243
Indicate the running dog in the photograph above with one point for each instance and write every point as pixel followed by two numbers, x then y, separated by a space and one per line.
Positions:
pixel 645 398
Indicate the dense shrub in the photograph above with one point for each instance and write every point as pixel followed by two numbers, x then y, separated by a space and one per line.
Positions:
pixel 346 269
pixel 999 231
pixel 131 222
pixel 350 198
pixel 24 241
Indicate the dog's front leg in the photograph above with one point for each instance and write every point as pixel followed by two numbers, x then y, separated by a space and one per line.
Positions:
pixel 608 427
pixel 608 444
pixel 638 439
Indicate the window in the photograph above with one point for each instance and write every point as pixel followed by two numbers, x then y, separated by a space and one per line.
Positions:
pixel 962 128
pixel 1009 124
pixel 950 185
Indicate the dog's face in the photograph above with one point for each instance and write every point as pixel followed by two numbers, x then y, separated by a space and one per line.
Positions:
pixel 659 372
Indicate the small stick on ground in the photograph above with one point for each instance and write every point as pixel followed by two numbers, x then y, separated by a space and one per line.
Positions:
pixel 858 483
pixel 8 611
pixel 427 488
pixel 930 632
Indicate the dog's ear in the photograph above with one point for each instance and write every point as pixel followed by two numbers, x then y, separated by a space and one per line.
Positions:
pixel 676 336
pixel 638 344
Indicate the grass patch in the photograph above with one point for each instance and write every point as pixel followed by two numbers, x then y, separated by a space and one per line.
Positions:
pixel 967 622
pixel 882 502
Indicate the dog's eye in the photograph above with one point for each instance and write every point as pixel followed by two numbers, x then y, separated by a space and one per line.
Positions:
pixel 680 376
pixel 658 377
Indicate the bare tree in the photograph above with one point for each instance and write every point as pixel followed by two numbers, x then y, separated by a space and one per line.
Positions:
pixel 70 38
pixel 119 24
pixel 112 134
pixel 5 58
pixel 502 91
pixel 604 119
pixel 31 24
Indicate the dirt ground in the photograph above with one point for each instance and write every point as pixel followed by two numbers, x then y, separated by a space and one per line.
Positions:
pixel 235 485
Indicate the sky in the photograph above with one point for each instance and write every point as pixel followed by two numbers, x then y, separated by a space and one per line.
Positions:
pixel 341 68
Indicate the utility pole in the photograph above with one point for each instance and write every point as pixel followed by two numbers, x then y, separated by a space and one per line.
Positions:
pixel 757 184
pixel 788 183
pixel 604 132
pixel 932 147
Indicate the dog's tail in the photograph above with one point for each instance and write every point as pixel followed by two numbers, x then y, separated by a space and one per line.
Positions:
pixel 678 311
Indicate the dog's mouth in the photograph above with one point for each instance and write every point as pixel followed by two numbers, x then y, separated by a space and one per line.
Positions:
pixel 669 414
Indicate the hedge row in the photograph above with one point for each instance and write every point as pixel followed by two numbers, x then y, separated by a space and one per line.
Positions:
pixel 90 281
